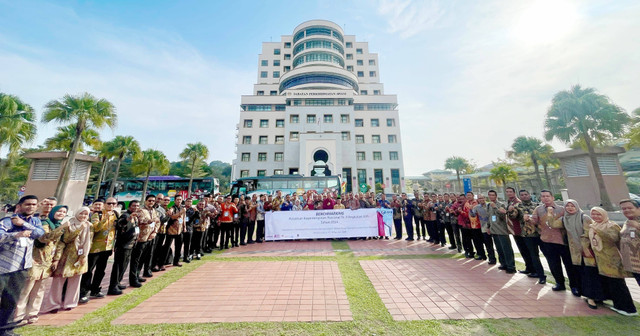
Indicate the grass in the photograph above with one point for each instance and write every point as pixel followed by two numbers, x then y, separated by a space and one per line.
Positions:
pixel 370 316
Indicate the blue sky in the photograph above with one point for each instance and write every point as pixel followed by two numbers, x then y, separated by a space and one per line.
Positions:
pixel 470 75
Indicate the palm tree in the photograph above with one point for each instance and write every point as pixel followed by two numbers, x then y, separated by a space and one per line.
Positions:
pixel 532 147
pixel 634 132
pixel 63 140
pixel 122 147
pixel 105 153
pixel 194 153
pixel 503 173
pixel 459 164
pixel 17 124
pixel 83 111
pixel 149 161
pixel 547 160
pixel 587 116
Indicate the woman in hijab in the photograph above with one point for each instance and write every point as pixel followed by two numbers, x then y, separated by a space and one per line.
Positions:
pixel 604 240
pixel 70 262
pixel 576 223
pixel 44 249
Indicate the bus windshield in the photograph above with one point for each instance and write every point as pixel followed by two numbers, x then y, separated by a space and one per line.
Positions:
pixel 287 184
pixel 127 190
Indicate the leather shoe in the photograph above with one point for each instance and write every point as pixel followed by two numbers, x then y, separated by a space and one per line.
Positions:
pixel 575 291
pixel 135 284
pixel 502 268
pixel 492 262
pixel 542 281
pixel 122 286
pixel 186 261
pixel 142 280
pixel 452 247
pixel 83 300
pixel 97 295
pixel 523 271
pixel 511 271
pixel 114 291
pixel 147 274
pixel 558 288
pixel 533 275
pixel 155 269
pixel 478 258
pixel 177 265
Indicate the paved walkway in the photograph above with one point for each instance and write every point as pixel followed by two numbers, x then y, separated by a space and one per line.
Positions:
pixel 249 291
pixel 299 248
pixel 396 247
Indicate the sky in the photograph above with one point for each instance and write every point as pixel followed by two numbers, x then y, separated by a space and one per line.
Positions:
pixel 470 76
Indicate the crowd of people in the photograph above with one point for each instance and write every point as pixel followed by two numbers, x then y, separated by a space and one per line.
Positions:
pixel 41 240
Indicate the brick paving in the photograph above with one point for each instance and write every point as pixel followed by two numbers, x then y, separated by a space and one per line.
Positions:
pixel 249 291
pixel 396 247
pixel 465 289
pixel 318 248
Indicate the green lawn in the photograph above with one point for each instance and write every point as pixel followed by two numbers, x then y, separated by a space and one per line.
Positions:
pixel 370 317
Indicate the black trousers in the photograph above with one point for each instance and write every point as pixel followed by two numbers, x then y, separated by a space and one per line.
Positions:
pixel 408 224
pixel 456 235
pixel 533 244
pixel 557 255
pixel 618 291
pixel 244 225
pixel 167 248
pixel 420 227
pixel 136 265
pixel 260 231
pixel 11 285
pixel 159 256
pixel 442 227
pixel 225 234
pixel 524 252
pixel 187 238
pixel 592 286
pixel 452 239
pixel 505 251
pixel 467 241
pixel 488 244
pixel 235 234
pixel 146 260
pixel 120 262
pixel 478 242
pixel 196 247
pixel 251 228
pixel 90 280
pixel 397 222
pixel 213 232
pixel 432 229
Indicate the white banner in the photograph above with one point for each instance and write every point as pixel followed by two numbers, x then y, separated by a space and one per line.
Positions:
pixel 338 223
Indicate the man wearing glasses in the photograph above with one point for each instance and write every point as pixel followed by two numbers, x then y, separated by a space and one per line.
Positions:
pixel 104 231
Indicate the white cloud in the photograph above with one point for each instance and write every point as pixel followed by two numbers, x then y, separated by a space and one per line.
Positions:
pixel 408 17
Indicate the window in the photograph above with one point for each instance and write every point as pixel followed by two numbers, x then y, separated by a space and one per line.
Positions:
pixel 279 139
pixel 346 136
pixel 377 176
pixel 311 118
pixel 359 51
pixel 318 102
pixel 276 51
pixel 375 123
pixel 576 167
pixel 372 73
pixel 360 73
pixel 260 93
pixel 375 139
pixel 342 102
pixel 372 62
pixel 273 93
pixel 392 138
pixel 360 156
pixel 248 123
pixel 349 45
pixel 350 68
pixel 264 74
pixel 294 136
pixel 349 56
pixel 287 68
pixel 278 172
pixel 262 172
pixel 46 170
pixel 608 165
pixel 262 140
pixel 287 44
pixel 287 57
pixel 279 123
pixel 376 92
pixel 258 107
pixel 364 92
pixel 264 63
pixel 246 140
pixel 358 107
pixel 264 123
pixel 359 138
pixel 377 156
pixel 294 118
pixel 246 157
pixel 297 102
pixel 279 156
pixel 276 74
pixel 391 122
pixel 276 63
pixel 359 123
pixel 293 171
pixel 393 155
pixel 344 118
pixel 362 176
pixel 359 62
pixel 395 176
pixel 328 118
pixel 244 173
pixel 262 156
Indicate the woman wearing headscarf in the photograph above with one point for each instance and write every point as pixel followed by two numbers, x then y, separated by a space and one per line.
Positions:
pixel 576 223
pixel 44 249
pixel 604 240
pixel 70 262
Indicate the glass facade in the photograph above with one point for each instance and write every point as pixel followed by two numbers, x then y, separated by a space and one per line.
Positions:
pixel 318 56
pixel 316 78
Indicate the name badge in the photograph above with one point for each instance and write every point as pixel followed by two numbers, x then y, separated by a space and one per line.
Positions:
pixel 137 230
pixel 226 213
pixel 23 242
pixel 180 220
pixel 632 234
pixel 80 251
pixel 494 218
pixel 187 219
pixel 152 225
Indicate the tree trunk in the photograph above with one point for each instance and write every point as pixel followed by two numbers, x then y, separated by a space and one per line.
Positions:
pixel 548 178
pixel 193 168
pixel 115 176
pixel 459 184
pixel 604 195
pixel 63 182
pixel 144 187
pixel 100 177
pixel 534 159
pixel 504 188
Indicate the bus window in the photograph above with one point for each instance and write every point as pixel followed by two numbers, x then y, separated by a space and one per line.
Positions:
pixel 322 184
pixel 264 185
pixel 277 185
pixel 243 191
pixel 310 184
pixel 332 183
pixel 295 184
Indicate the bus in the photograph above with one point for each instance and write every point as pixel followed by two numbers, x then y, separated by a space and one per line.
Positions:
pixel 287 184
pixel 130 189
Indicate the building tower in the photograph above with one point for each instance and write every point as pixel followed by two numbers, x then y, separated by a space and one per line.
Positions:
pixel 319 108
